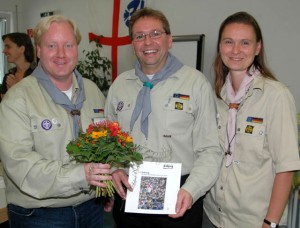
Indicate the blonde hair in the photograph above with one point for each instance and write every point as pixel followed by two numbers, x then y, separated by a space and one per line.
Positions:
pixel 44 24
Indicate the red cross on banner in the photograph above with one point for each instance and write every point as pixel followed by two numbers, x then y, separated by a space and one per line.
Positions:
pixel 114 41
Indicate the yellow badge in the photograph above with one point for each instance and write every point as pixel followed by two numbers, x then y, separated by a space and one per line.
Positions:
pixel 249 129
pixel 178 105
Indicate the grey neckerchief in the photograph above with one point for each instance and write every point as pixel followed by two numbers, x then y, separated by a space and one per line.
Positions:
pixel 143 101
pixel 60 98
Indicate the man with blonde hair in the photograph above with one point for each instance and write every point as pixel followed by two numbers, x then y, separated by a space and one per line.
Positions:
pixel 41 114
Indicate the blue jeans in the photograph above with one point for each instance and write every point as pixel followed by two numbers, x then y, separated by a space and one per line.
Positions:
pixel 88 215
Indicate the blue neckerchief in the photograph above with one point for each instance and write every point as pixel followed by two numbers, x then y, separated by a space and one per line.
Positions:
pixel 143 101
pixel 60 98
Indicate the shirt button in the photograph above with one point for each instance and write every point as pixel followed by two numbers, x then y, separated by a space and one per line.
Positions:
pixel 238 129
pixel 221 187
pixel 220 210
pixel 219 127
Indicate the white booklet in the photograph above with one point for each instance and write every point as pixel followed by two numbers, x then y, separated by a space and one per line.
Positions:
pixel 155 187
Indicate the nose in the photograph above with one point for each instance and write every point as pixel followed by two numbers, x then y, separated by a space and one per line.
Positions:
pixel 61 51
pixel 148 39
pixel 236 48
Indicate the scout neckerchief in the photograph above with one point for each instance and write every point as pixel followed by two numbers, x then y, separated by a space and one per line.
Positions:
pixel 60 98
pixel 143 101
pixel 234 101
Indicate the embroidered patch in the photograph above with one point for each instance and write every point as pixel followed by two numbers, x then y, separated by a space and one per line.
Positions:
pixel 98 110
pixel 255 120
pixel 178 105
pixel 120 106
pixel 46 124
pixel 249 129
pixel 181 96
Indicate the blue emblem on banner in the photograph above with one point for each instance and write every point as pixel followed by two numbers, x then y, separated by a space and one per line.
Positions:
pixel 46 124
pixel 131 8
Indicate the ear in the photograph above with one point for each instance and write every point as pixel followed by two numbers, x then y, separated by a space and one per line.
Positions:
pixel 132 46
pixel 258 48
pixel 38 51
pixel 170 41
pixel 22 48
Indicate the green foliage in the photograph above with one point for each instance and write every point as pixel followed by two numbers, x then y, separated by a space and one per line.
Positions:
pixel 103 150
pixel 96 67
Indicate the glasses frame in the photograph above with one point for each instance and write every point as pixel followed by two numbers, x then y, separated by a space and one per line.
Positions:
pixel 155 34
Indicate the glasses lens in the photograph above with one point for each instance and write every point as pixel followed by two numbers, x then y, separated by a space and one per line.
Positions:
pixel 139 37
pixel 155 34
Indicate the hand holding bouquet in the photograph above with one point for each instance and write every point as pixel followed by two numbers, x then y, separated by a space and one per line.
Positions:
pixel 104 143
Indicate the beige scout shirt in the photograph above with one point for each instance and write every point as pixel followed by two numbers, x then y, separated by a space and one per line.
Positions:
pixel 182 124
pixel 35 160
pixel 266 143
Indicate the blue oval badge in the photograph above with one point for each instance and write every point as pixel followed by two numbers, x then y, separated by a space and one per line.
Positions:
pixel 46 125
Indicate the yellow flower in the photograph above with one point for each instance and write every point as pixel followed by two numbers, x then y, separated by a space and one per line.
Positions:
pixel 128 139
pixel 98 134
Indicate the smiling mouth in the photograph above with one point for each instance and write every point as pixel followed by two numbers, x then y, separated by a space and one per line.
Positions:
pixel 236 59
pixel 60 62
pixel 150 51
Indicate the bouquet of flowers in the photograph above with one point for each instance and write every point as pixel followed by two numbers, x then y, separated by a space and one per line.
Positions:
pixel 104 142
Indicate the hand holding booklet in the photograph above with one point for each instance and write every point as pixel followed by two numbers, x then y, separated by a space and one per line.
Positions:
pixel 155 187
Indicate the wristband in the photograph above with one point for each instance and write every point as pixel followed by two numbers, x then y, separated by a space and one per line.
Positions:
pixel 271 224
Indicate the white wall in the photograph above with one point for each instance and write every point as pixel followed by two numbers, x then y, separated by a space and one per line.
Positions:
pixel 279 20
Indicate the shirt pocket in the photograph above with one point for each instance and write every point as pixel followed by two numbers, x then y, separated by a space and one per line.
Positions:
pixel 98 118
pixel 124 109
pixel 179 115
pixel 249 142
pixel 47 133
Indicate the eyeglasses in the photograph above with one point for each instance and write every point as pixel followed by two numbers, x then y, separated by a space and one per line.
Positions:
pixel 142 36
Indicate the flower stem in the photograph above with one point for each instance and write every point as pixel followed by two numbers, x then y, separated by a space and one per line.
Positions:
pixel 108 191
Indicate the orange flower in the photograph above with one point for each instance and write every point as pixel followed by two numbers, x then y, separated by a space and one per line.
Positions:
pixel 114 128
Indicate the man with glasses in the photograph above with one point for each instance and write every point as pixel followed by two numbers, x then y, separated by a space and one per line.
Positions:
pixel 168 108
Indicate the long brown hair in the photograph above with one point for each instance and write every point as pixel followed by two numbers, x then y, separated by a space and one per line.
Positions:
pixel 259 61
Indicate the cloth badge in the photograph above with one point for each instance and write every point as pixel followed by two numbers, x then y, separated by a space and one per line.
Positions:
pixel 181 96
pixel 46 124
pixel 178 105
pixel 249 129
pixel 255 120
pixel 98 110
pixel 120 106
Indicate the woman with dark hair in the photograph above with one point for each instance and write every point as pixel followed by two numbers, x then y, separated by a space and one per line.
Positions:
pixel 257 132
pixel 19 50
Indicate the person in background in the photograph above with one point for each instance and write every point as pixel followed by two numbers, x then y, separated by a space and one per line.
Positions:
pixel 40 115
pixel 257 131
pixel 19 50
pixel 168 108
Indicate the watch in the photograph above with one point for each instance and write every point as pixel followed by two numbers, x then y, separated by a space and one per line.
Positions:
pixel 271 224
